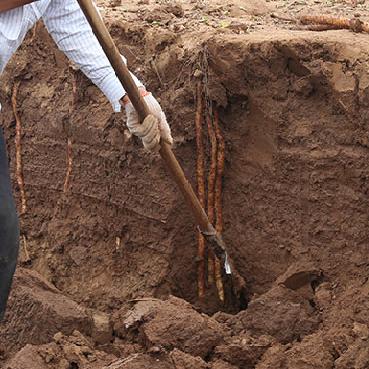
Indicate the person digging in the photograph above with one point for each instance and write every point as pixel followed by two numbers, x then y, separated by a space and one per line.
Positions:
pixel 72 33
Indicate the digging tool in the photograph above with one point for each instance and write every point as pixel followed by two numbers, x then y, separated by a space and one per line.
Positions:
pixel 215 240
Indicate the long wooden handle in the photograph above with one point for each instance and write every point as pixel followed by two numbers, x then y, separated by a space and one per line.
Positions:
pixel 122 72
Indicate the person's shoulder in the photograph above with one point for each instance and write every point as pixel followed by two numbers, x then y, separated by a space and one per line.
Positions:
pixel 55 5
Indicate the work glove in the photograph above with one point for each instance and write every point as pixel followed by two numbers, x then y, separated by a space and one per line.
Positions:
pixel 154 127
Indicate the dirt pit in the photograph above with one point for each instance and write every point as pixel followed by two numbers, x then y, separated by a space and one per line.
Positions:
pixel 107 275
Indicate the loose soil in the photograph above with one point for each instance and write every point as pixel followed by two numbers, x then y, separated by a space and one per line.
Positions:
pixel 107 272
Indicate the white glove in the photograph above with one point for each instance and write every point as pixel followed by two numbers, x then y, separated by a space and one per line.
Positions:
pixel 154 127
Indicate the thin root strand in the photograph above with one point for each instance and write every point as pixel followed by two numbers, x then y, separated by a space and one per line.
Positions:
pixel 18 148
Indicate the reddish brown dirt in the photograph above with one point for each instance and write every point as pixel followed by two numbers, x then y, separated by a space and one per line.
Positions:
pixel 101 261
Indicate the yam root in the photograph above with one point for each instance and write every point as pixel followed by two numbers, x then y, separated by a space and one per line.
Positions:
pixel 211 190
pixel 218 199
pixel 18 149
pixel 200 187
pixel 355 24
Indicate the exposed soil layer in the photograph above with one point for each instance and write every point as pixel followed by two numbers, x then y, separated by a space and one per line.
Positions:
pixel 107 241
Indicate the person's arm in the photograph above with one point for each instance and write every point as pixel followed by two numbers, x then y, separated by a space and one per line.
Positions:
pixel 71 31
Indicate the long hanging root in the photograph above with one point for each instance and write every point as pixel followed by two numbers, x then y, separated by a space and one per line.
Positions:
pixel 69 165
pixel 26 257
pixel 355 24
pixel 69 140
pixel 34 32
pixel 211 190
pixel 220 172
pixel 218 199
pixel 18 148
pixel 200 188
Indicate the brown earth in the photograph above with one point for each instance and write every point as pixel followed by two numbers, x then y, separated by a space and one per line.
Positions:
pixel 102 260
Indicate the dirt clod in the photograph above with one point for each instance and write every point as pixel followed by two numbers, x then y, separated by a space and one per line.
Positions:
pixel 243 350
pixel 185 361
pixel 175 324
pixel 101 330
pixel 280 313
pixel 34 302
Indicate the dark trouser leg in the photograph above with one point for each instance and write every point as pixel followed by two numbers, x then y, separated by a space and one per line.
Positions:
pixel 9 229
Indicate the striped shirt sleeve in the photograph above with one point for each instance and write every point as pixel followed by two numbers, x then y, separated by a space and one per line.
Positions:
pixel 71 31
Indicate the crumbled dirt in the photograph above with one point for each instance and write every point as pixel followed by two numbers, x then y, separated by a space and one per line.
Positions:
pixel 73 351
pixel 102 258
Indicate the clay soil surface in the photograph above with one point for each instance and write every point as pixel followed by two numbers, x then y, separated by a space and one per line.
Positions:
pixel 107 274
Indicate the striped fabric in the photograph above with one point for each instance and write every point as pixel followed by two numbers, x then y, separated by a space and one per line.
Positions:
pixel 69 28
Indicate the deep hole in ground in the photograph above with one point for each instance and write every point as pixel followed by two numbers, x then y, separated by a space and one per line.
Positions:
pixel 293 109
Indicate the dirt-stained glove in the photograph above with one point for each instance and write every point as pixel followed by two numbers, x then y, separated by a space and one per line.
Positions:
pixel 154 127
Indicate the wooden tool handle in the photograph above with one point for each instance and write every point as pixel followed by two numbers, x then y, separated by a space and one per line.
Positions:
pixel 122 72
